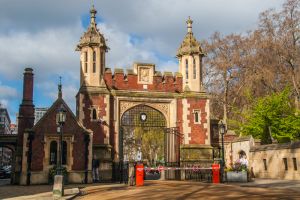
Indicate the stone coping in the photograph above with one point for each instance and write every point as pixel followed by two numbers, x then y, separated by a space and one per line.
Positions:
pixel 289 145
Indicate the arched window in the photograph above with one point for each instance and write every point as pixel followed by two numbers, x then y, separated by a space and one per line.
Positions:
pixel 197 116
pixel 194 68
pixel 186 69
pixel 64 153
pixel 94 114
pixel 94 61
pixel 53 153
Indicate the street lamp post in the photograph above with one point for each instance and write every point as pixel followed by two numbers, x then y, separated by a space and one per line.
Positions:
pixel 222 130
pixel 58 187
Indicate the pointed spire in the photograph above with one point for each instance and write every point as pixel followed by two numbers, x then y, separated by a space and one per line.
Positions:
pixel 93 12
pixel 189 23
pixel 59 89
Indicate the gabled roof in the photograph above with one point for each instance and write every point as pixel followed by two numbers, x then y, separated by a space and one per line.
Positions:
pixel 54 108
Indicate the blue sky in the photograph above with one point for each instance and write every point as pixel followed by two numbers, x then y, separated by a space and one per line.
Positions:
pixel 43 35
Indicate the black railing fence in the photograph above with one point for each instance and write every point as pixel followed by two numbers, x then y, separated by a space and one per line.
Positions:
pixel 121 172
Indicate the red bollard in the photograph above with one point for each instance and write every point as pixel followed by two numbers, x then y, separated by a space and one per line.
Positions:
pixel 139 175
pixel 216 173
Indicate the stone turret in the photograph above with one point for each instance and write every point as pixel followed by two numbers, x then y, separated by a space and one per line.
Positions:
pixel 92 47
pixel 190 56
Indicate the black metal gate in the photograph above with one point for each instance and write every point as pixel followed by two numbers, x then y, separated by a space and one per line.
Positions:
pixel 147 119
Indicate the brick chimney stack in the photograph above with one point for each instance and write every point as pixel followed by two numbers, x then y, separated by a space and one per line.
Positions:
pixel 25 121
pixel 28 86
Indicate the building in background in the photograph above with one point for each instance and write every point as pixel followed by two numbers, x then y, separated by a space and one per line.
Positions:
pixel 14 129
pixel 5 153
pixel 4 121
pixel 39 113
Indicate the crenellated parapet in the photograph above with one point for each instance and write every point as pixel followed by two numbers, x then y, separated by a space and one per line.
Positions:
pixel 143 78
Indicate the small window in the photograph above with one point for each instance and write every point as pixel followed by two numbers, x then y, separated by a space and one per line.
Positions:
pixel 85 67
pixel 265 164
pixel 94 61
pixel 53 153
pixel 197 116
pixel 186 69
pixel 285 163
pixel 295 164
pixel 194 69
pixel 94 117
pixel 64 153
pixel 85 62
pixel 102 62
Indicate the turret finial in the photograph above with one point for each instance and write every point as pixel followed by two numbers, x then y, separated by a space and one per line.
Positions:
pixel 93 12
pixel 189 23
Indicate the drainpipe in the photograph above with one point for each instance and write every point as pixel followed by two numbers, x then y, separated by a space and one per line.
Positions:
pixel 86 163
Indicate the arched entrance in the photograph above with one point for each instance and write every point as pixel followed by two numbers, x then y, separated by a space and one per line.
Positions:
pixel 142 135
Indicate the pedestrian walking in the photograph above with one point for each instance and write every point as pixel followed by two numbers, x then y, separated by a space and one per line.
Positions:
pixel 95 168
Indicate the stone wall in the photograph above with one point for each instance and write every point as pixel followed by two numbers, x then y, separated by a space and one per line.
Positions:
pixel 279 161
pixel 233 148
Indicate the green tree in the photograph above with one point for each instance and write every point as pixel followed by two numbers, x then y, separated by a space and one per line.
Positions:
pixel 152 144
pixel 272 116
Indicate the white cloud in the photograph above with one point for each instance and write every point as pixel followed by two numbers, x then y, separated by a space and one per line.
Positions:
pixel 44 36
pixel 50 51
pixel 7 92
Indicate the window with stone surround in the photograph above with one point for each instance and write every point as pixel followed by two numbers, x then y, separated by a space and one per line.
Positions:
pixel 86 62
pixel 265 164
pixel 53 153
pixel 186 69
pixel 64 153
pixel 194 69
pixel 285 163
pixel 295 164
pixel 102 63
pixel 94 61
pixel 197 116
pixel 94 114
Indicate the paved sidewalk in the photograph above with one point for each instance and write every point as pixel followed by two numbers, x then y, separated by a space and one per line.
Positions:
pixel 184 189
pixel 35 192
pixel 271 183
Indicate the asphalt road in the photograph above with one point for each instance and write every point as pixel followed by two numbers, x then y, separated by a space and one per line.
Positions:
pixel 179 190
pixel 4 181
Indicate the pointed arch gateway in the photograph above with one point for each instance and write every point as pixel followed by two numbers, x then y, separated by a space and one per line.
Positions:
pixel 142 129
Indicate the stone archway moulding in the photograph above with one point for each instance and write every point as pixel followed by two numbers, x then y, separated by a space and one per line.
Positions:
pixel 161 107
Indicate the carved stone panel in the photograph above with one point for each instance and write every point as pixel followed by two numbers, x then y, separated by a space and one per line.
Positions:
pixel 162 107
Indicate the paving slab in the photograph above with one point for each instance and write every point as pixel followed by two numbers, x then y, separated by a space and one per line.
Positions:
pixel 169 190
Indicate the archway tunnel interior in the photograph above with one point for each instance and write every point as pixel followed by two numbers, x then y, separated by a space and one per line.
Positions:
pixel 142 136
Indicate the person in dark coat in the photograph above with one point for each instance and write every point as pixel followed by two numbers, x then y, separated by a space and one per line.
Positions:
pixel 95 168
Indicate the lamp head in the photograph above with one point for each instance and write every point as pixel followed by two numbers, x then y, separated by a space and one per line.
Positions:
pixel 61 115
pixel 222 127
